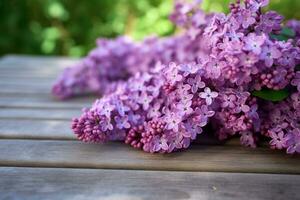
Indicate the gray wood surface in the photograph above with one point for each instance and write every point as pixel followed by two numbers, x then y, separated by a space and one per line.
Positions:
pixel 35 62
pixel 25 87
pixel 24 91
pixel 26 84
pixel 43 101
pixel 120 156
pixel 91 184
pixel 35 129
pixel 39 153
pixel 33 66
pixel 29 89
pixel 26 81
pixel 33 75
pixel 38 114
pixel 42 72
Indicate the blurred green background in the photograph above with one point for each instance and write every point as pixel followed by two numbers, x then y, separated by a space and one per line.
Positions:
pixel 70 27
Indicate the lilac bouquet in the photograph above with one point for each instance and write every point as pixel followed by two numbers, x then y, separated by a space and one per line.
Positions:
pixel 235 73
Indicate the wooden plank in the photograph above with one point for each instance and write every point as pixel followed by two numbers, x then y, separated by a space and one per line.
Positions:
pixel 20 72
pixel 28 75
pixel 26 86
pixel 23 72
pixel 35 62
pixel 91 184
pixel 25 90
pixel 43 101
pixel 33 129
pixel 114 155
pixel 26 80
pixel 38 114
pixel 27 66
pixel 27 83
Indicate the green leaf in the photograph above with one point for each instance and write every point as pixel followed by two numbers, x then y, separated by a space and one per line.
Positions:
pixel 271 95
pixel 285 34
pixel 288 32
pixel 279 37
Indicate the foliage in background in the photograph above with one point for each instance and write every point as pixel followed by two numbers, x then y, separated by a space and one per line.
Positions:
pixel 69 27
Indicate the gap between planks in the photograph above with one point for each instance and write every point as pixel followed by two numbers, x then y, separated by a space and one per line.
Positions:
pixel 113 155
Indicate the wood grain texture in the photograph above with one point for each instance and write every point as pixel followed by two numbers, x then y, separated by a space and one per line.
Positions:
pixel 24 91
pixel 91 184
pixel 11 75
pixel 39 114
pixel 26 80
pixel 33 129
pixel 43 72
pixel 28 66
pixel 30 83
pixel 15 62
pixel 120 156
pixel 34 132
pixel 43 101
pixel 23 87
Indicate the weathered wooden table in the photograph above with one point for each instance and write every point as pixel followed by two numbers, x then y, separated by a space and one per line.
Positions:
pixel 41 159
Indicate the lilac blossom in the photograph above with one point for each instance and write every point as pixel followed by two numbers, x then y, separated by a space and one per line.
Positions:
pixel 167 122
pixel 279 141
pixel 106 109
pixel 229 101
pixel 213 69
pixel 296 81
pixel 185 108
pixel 122 122
pixel 196 83
pixel 173 120
pixel 172 74
pixel 246 18
pixel 145 100
pixel 154 111
pixel 114 61
pixel 253 43
pixel 248 60
pixel 208 95
pixel 288 58
pixel 247 139
pixel 255 5
pixel 269 54
pixel 293 141
pixel 161 93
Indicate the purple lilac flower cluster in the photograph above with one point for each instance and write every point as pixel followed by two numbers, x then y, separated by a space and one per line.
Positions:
pixel 280 122
pixel 219 65
pixel 295 26
pixel 114 61
pixel 237 115
pixel 159 111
